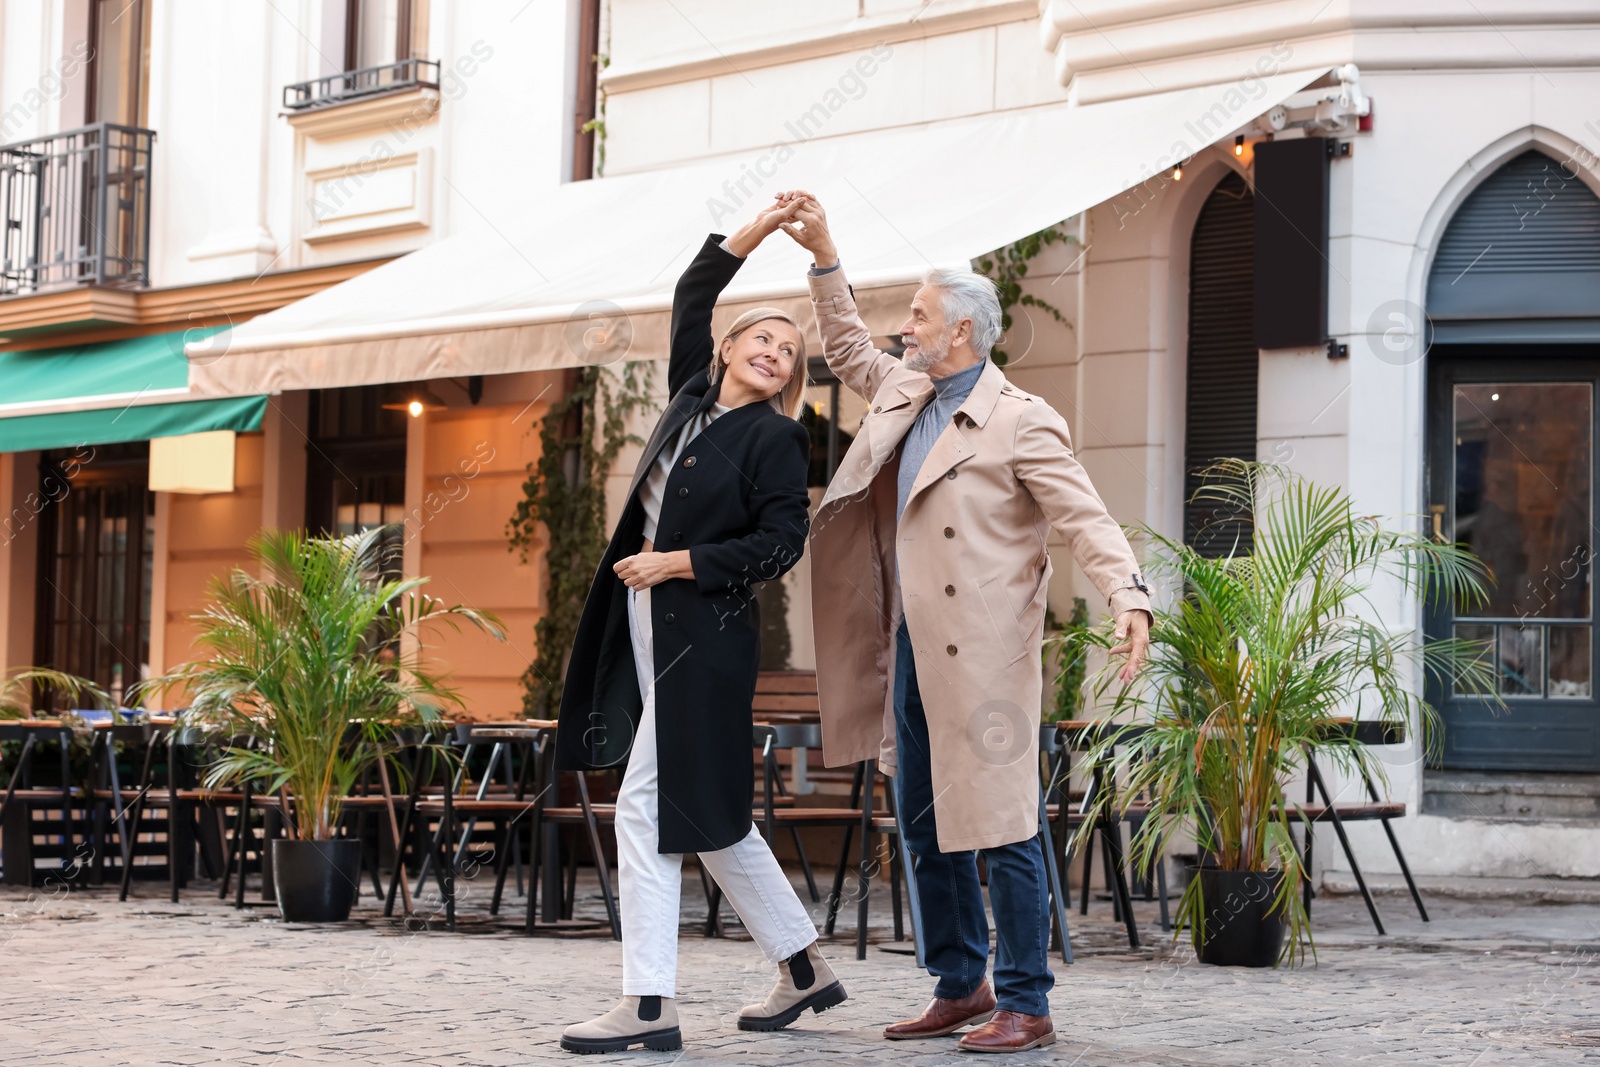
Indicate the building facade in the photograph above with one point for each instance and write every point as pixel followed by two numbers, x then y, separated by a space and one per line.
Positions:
pixel 1427 170
pixel 170 168
pixel 1461 299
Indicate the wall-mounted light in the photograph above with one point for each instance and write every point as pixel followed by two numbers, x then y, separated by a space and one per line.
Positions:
pixel 421 400
pixel 1238 145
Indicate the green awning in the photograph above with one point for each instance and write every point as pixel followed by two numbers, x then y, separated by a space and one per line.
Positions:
pixel 105 426
pixel 128 390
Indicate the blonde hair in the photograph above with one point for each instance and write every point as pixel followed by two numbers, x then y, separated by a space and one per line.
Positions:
pixel 792 397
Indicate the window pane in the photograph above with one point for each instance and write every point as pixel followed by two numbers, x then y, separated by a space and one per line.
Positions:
pixel 117 61
pixel 1521 661
pixel 378 32
pixel 1476 631
pixel 1569 661
pixel 832 415
pixel 1522 485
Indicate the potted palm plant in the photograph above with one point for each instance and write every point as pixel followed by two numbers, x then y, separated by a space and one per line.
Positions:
pixel 1270 648
pixel 310 671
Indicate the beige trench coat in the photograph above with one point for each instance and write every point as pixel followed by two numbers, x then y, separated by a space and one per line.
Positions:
pixel 971 552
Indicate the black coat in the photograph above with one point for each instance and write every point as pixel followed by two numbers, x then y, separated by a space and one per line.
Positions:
pixel 737 501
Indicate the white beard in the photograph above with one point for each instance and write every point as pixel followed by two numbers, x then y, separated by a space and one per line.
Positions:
pixel 924 358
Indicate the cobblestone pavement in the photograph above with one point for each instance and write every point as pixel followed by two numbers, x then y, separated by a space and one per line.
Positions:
pixel 86 980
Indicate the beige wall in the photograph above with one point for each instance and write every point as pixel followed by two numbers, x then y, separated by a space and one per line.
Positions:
pixel 473 462
pixel 19 554
pixel 685 84
pixel 199 537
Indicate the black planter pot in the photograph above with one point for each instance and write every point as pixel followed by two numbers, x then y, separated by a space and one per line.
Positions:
pixel 1240 929
pixel 316 880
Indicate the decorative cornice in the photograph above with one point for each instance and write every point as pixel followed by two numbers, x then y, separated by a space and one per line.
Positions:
pixel 777 50
pixel 1106 49
pixel 88 314
pixel 366 115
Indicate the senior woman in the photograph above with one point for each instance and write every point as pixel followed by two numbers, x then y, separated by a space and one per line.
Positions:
pixel 663 669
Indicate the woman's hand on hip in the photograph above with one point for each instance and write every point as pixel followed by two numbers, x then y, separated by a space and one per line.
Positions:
pixel 646 569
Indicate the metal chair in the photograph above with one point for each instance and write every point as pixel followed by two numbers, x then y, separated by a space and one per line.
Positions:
pixel 1374 809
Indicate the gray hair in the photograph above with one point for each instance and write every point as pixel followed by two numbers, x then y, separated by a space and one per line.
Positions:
pixel 966 294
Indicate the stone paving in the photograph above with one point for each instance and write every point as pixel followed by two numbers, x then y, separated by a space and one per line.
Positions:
pixel 86 980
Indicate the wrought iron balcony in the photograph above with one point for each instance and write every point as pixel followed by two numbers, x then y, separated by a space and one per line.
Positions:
pixel 368 81
pixel 76 210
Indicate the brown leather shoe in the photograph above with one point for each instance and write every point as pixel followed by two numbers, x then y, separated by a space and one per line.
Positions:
pixel 1010 1031
pixel 943 1016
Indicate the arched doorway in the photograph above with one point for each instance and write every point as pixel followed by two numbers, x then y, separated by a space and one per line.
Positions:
pixel 1514 299
pixel 1223 370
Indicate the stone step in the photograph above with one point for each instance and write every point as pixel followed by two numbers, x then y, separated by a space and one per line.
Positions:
pixel 1512 797
pixel 1521 890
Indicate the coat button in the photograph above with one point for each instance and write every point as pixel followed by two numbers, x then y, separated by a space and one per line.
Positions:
pixel 949 532
pixel 669 618
pixel 678 536
pixel 877 408
pixel 949 590
pixel 688 461
pixel 684 491
pixel 950 474
pixel 950 649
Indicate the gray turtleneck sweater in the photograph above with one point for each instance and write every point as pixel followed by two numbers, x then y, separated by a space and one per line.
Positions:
pixel 949 393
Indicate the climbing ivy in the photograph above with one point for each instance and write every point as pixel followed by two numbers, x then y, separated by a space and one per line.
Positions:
pixel 1007 266
pixel 564 496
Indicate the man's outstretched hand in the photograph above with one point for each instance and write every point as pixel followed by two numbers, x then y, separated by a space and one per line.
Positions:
pixel 809 227
pixel 1133 630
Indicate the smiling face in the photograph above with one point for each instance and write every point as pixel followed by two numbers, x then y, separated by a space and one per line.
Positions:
pixel 762 358
pixel 925 334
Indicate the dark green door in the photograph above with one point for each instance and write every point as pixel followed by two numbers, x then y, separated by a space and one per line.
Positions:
pixel 1512 466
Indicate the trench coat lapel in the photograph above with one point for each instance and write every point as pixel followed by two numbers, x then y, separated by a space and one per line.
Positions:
pixel 893 411
pixel 952 447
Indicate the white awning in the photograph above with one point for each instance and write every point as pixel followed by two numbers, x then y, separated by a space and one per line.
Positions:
pixel 519 294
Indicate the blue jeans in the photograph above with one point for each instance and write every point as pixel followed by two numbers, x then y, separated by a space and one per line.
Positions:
pixel 955 930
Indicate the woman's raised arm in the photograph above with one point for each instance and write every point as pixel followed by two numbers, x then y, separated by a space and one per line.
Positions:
pixel 696 295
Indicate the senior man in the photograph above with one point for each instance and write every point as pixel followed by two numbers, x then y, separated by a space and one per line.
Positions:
pixel 929 572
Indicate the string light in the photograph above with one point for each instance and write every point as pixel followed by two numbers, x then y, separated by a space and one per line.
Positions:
pixel 1238 145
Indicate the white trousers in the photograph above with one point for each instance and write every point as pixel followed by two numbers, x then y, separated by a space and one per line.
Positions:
pixel 748 873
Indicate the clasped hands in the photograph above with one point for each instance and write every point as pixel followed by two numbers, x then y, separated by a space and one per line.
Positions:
pixel 798 214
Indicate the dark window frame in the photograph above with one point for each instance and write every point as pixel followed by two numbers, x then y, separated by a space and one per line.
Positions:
pixel 1568 728
pixel 586 99
pixel 76 640
pixel 138 75
pixel 364 452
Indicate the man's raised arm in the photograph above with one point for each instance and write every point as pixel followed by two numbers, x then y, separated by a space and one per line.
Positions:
pixel 846 342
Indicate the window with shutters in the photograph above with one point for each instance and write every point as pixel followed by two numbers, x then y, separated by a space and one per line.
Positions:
pixel 1222 372
pixel 1520 260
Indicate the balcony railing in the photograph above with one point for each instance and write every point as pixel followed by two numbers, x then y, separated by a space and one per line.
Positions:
pixel 368 81
pixel 76 210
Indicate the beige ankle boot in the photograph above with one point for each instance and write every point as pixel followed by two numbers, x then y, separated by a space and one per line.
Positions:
pixel 648 1021
pixel 804 981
